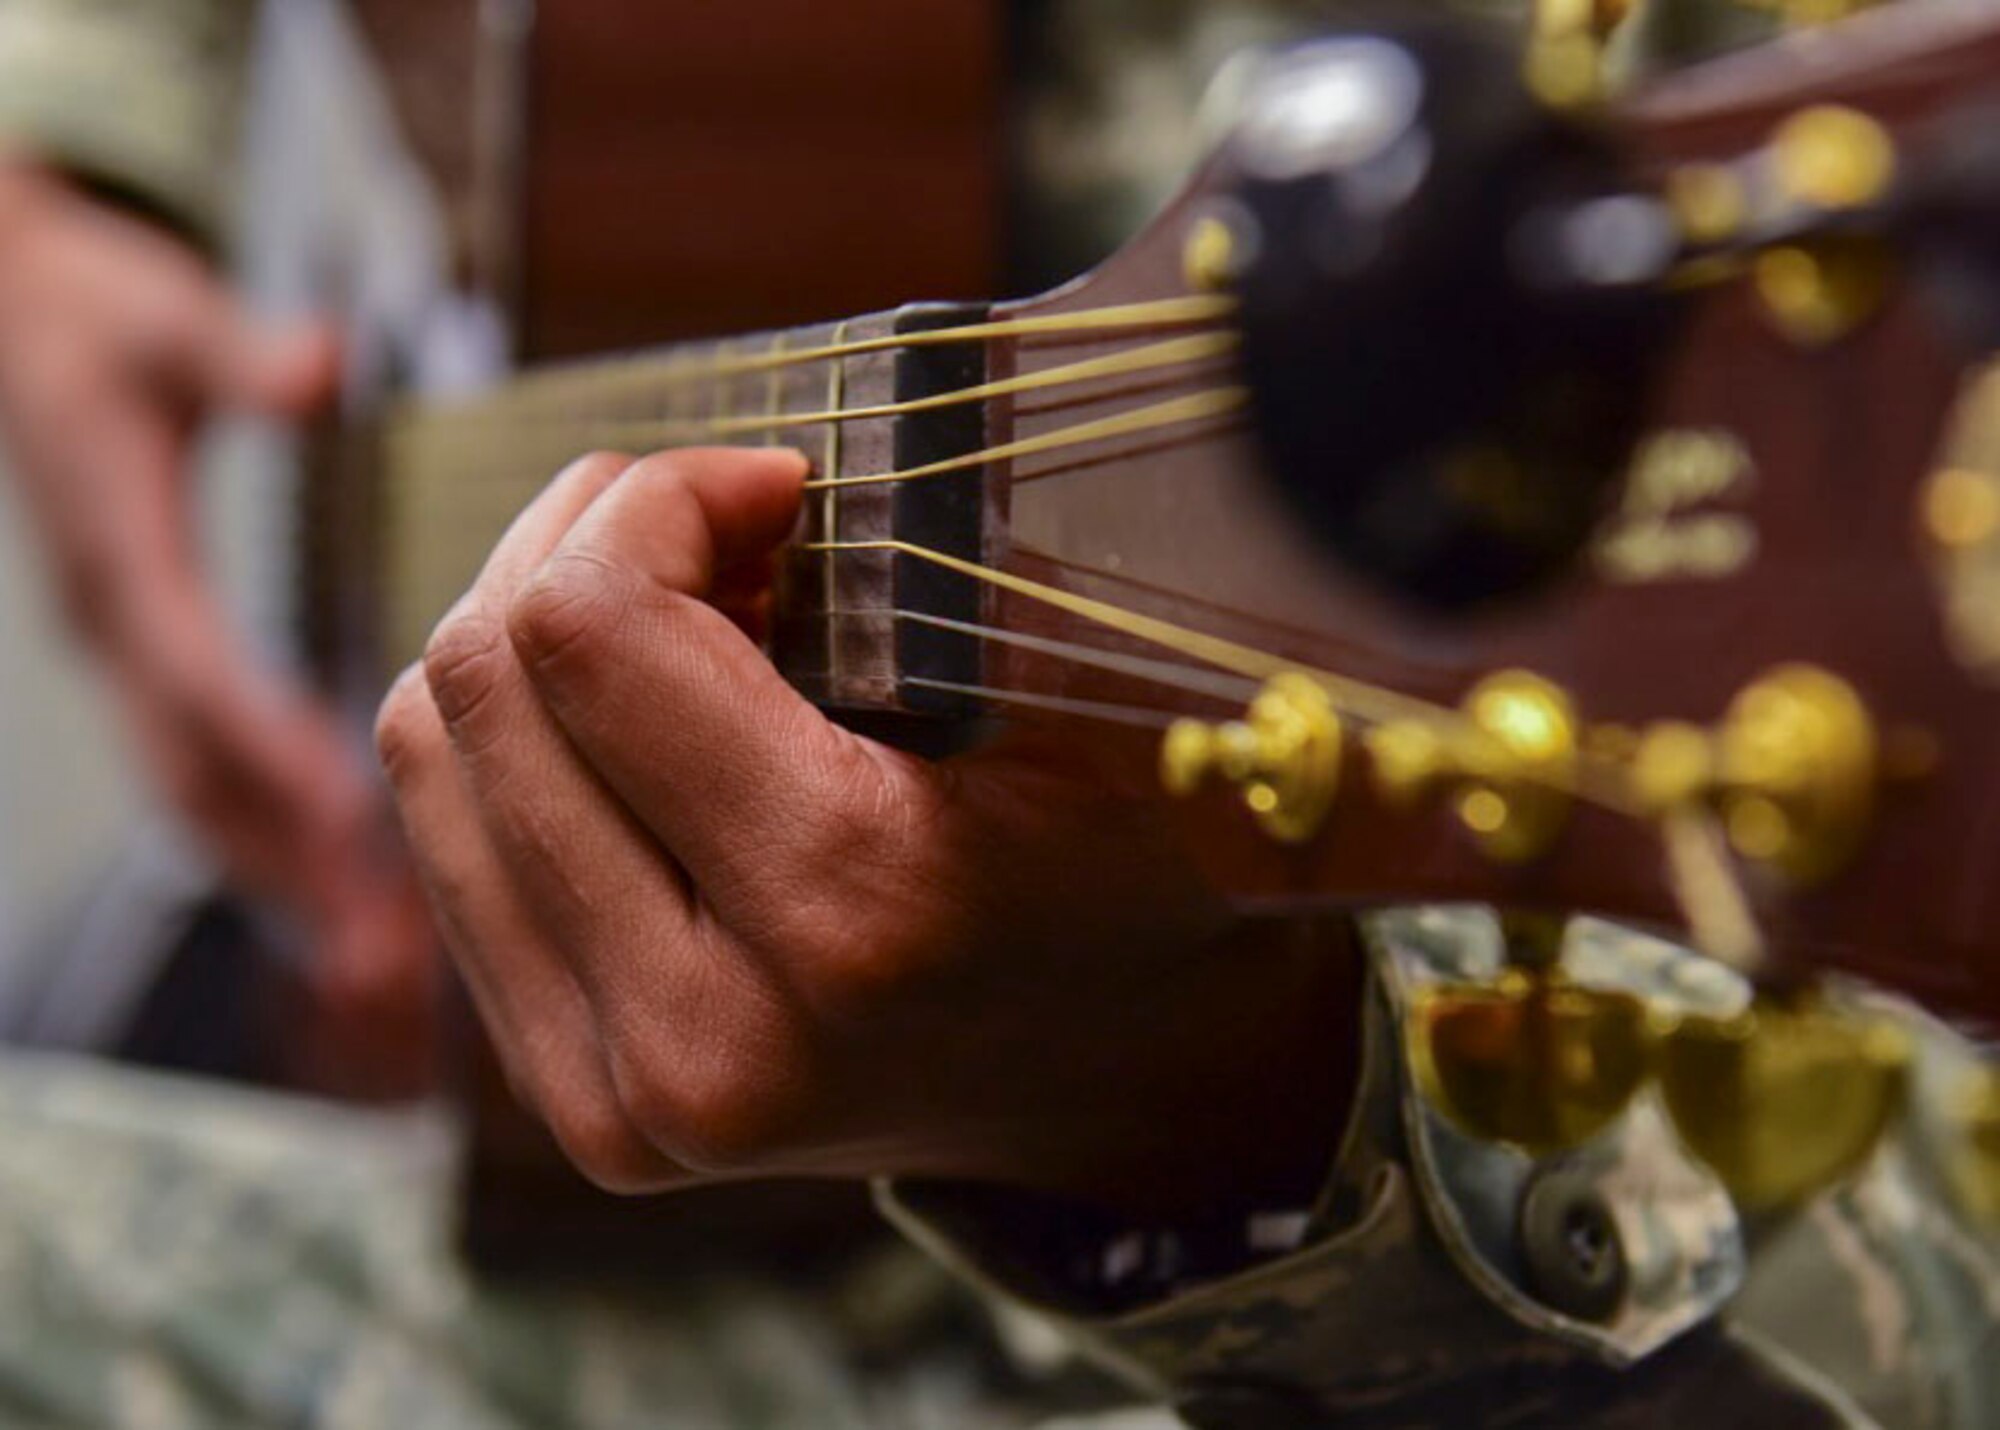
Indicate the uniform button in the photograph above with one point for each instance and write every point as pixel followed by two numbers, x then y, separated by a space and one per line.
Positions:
pixel 1248 1405
pixel 1570 1241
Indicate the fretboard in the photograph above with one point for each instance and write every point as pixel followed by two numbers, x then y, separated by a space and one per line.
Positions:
pixel 457 472
pixel 880 405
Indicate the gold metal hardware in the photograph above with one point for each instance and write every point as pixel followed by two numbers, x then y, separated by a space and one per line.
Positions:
pixel 1532 1061
pixel 1962 508
pixel 1208 258
pixel 1520 799
pixel 1510 765
pixel 1816 293
pixel 1565 60
pixel 1791 769
pixel 1833 157
pixel 1707 201
pixel 1958 518
pixel 1783 1099
pixel 1284 756
pixel 1811 14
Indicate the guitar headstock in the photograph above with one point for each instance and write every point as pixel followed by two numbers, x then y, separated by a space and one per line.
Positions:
pixel 1602 511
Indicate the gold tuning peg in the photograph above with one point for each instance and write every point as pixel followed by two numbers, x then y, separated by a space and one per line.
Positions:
pixel 1533 1060
pixel 1785 1098
pixel 1791 769
pixel 1509 763
pixel 1283 756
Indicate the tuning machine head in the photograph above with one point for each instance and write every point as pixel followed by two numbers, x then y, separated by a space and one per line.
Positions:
pixel 1449 305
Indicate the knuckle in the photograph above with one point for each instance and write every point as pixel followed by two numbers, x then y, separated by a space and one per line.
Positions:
pixel 878 928
pixel 595 1135
pixel 663 472
pixel 719 1112
pixel 566 613
pixel 463 666
pixel 602 462
pixel 400 725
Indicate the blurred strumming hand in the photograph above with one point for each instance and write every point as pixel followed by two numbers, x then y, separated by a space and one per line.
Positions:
pixel 116 341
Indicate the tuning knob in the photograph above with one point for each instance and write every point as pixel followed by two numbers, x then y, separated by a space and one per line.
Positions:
pixel 1784 1098
pixel 1450 308
pixel 1283 756
pixel 1793 768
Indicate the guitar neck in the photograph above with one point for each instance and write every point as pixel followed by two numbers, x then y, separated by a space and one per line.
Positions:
pixel 456 472
pixel 879 405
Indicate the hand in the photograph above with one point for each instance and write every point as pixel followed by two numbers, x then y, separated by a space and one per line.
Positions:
pixel 115 341
pixel 716 935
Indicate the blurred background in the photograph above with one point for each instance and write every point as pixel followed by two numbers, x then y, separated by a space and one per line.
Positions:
pixel 462 185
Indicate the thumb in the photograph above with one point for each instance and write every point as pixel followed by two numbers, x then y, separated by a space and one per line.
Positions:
pixel 281 371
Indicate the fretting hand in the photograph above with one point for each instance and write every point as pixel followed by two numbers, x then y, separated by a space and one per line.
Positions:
pixel 715 934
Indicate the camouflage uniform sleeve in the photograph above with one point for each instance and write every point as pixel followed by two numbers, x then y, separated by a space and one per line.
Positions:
pixel 138 96
pixel 1446 1280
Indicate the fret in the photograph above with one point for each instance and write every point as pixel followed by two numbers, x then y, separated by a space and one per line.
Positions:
pixel 829 516
pixel 465 469
pixel 721 386
pixel 774 403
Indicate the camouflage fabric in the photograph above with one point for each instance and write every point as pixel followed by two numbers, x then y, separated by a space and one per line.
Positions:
pixel 178 1253
pixel 141 95
pixel 1413 1299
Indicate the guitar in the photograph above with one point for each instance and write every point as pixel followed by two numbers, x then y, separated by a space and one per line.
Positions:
pixel 1460 494
pixel 1639 530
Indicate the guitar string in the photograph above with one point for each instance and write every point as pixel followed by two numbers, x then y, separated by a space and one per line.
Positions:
pixel 672 369
pixel 1700 876
pixel 1195 407
pixel 1138 716
pixel 1232 688
pixel 1175 352
pixel 1364 701
pixel 1211 403
pixel 1696 873
pixel 1373 704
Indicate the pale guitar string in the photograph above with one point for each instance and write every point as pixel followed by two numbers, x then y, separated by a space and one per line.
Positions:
pixel 1175 352
pixel 1699 870
pixel 473 463
pixel 1363 701
pixel 558 388
pixel 1373 704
